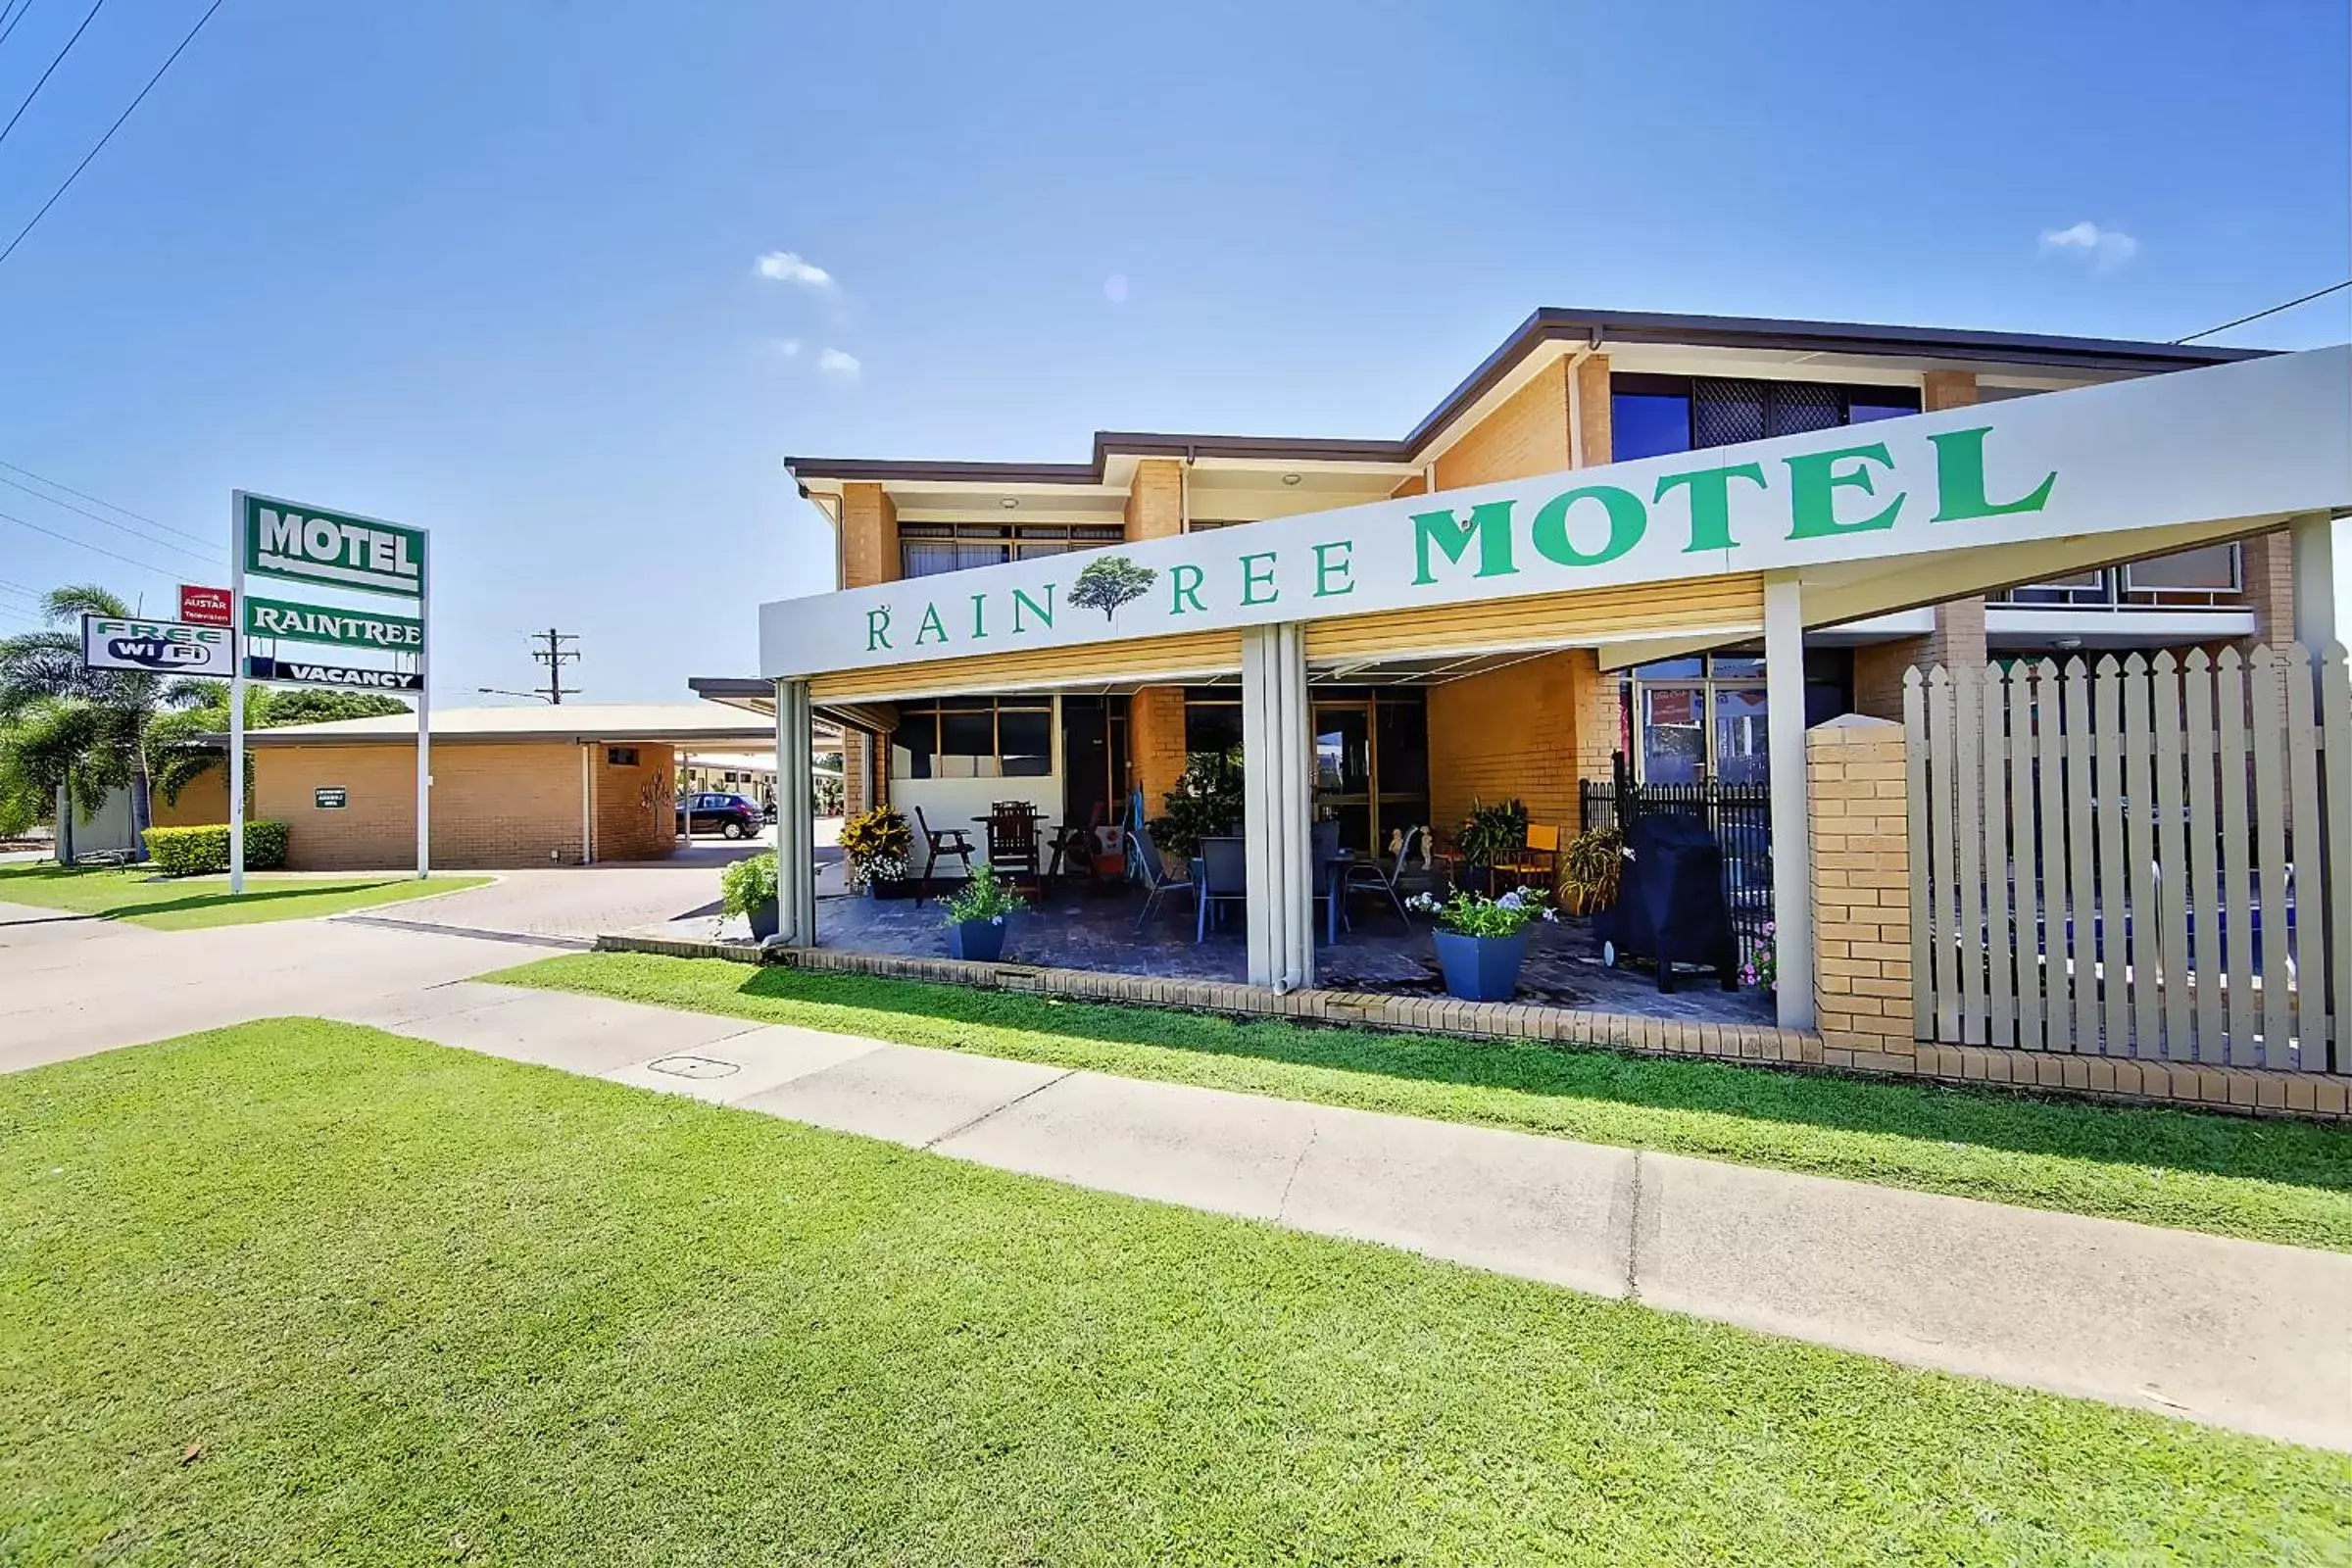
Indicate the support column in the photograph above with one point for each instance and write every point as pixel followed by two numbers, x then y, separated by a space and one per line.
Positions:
pixel 1791 830
pixel 1276 808
pixel 795 818
pixel 2319 590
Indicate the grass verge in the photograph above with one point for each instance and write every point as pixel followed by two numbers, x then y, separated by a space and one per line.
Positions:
pixel 300 1290
pixel 2267 1180
pixel 186 904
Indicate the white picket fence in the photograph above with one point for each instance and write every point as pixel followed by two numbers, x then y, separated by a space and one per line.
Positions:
pixel 2152 858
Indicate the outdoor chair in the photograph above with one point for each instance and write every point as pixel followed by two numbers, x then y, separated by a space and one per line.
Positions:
pixel 936 843
pixel 1153 871
pixel 1224 879
pixel 1075 846
pixel 1368 875
pixel 1537 858
pixel 1013 843
pixel 1324 843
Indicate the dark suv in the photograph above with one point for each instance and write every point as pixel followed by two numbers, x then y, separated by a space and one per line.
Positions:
pixel 730 815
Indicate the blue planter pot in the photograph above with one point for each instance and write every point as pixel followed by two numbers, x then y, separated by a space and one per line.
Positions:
pixel 979 941
pixel 1480 968
pixel 765 921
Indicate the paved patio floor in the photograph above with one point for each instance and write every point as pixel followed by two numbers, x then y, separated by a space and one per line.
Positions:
pixel 1076 927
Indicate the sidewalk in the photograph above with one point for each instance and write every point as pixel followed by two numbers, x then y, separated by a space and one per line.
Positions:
pixel 2231 1333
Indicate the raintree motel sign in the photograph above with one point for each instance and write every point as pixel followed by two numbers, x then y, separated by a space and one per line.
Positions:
pixel 2258 438
pixel 291 542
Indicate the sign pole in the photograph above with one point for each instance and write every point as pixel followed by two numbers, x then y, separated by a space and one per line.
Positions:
pixel 424 730
pixel 236 694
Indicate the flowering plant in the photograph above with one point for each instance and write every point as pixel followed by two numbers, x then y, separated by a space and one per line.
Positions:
pixel 1764 968
pixel 1474 914
pixel 877 845
pixel 983 897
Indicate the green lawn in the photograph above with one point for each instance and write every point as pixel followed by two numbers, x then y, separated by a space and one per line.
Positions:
pixel 183 903
pixel 2268 1180
pixel 300 1291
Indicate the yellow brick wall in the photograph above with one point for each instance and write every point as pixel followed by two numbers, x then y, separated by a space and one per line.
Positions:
pixel 1510 733
pixel 202 804
pixel 1592 412
pixel 1861 887
pixel 1156 741
pixel 869 535
pixel 494 805
pixel 636 807
pixel 2267 561
pixel 1527 436
pixel 1155 500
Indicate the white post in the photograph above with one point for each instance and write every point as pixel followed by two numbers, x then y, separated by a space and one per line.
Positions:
pixel 1791 832
pixel 795 818
pixel 587 805
pixel 686 793
pixel 2319 592
pixel 236 691
pixel 1278 812
pixel 424 724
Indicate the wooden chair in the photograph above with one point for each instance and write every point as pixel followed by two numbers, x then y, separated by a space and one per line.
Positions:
pixel 1013 843
pixel 1537 858
pixel 1075 846
pixel 936 843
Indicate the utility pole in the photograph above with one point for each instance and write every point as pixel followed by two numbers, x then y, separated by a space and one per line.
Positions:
pixel 555 656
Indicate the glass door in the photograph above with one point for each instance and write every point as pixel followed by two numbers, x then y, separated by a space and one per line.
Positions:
pixel 1743 745
pixel 1674 736
pixel 1344 769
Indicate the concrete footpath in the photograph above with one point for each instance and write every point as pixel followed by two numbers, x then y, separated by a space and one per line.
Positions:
pixel 2236 1334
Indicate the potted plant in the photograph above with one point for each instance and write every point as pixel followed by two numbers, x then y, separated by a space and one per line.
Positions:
pixel 1590 870
pixel 1489 834
pixel 748 888
pixel 1763 969
pixel 1481 941
pixel 1205 803
pixel 976 914
pixel 877 845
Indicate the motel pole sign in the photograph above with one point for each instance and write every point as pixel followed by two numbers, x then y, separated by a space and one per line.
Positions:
pixel 341 552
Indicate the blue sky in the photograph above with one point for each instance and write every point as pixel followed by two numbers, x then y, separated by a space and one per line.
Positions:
pixel 492 266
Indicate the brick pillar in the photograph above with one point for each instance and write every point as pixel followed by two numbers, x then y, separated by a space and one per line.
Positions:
pixel 1593 408
pixel 1861 891
pixel 1595 697
pixel 869 535
pixel 1155 500
pixel 1156 741
pixel 2267 561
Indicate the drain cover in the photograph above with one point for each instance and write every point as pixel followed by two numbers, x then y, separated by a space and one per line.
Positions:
pixel 693 1067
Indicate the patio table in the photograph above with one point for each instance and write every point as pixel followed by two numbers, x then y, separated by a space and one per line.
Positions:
pixel 1335 878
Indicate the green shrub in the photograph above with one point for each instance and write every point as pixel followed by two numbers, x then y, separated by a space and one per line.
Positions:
pixel 747 884
pixel 196 851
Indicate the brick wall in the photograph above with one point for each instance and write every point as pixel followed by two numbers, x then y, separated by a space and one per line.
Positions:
pixel 2268 563
pixel 493 804
pixel 202 804
pixel 1509 733
pixel 1155 500
pixel 1156 741
pixel 636 807
pixel 1861 889
pixel 1593 411
pixel 1527 436
pixel 854 746
pixel 870 536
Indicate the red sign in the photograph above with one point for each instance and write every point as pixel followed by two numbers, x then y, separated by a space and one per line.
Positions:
pixel 206 607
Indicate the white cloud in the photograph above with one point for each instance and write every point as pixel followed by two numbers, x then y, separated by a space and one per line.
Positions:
pixel 2105 249
pixel 833 362
pixel 1114 288
pixel 783 267
pixel 789 347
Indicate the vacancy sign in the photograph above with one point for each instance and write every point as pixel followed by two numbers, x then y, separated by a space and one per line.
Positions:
pixel 303 544
pixel 206 607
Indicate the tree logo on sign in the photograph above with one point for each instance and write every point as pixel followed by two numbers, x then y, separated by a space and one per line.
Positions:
pixel 1110 582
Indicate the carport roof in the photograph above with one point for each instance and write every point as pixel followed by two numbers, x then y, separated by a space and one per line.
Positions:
pixel 700 725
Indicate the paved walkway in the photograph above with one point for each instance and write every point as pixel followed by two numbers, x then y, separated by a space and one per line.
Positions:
pixel 2236 1334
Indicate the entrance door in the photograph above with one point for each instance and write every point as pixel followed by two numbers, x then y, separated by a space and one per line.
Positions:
pixel 1344 769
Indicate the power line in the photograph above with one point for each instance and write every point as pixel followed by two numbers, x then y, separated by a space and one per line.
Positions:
pixel 110 132
pixel 101 501
pixel 53 64
pixel 2300 299
pixel 212 558
pixel 555 656
pixel 12 20
pixel 169 575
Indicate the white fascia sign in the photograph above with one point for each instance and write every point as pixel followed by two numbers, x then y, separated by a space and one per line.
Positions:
pixel 2254 439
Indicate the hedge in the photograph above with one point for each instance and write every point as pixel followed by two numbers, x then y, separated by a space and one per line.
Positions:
pixel 194 851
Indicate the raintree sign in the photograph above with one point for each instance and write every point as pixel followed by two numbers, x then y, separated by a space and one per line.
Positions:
pixel 303 673
pixel 303 544
pixel 2253 440
pixel 155 647
pixel 344 628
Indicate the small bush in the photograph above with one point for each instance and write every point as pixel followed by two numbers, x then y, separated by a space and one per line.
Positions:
pixel 196 851
pixel 747 884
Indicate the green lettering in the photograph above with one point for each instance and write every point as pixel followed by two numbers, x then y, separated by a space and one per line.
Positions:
pixel 1628 520
pixel 1814 480
pixel 1490 523
pixel 1252 579
pixel 1960 480
pixel 877 628
pixel 1044 612
pixel 979 617
pixel 1711 502
pixel 1184 583
pixel 1342 569
pixel 932 628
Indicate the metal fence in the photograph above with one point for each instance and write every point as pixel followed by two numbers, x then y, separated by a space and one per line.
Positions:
pixel 1740 815
pixel 2145 857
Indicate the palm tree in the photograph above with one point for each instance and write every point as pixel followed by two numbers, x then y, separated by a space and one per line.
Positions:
pixel 118 707
pixel 54 754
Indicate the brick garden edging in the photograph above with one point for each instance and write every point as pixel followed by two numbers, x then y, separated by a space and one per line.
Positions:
pixel 2250 1090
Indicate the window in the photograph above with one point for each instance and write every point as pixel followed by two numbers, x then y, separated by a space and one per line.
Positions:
pixel 928 549
pixel 1656 415
pixel 2192 579
pixel 973 737
pixel 1647 423
pixel 621 757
